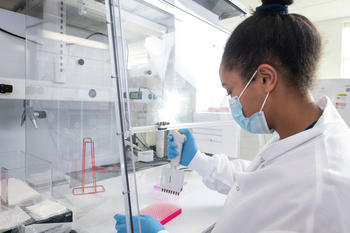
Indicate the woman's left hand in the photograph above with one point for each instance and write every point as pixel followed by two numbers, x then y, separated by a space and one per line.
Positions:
pixel 148 224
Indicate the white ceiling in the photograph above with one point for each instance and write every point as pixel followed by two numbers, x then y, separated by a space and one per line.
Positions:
pixel 315 10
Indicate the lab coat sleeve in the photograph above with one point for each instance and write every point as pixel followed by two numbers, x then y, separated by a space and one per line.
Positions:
pixel 218 171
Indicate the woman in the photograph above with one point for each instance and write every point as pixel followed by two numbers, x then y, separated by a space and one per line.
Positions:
pixel 300 180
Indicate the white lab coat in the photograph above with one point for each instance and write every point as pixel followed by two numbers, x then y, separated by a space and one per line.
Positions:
pixel 298 184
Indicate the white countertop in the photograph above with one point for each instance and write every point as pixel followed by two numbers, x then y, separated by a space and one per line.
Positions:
pixel 94 213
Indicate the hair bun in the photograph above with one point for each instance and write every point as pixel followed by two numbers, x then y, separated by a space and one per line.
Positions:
pixel 274 6
pixel 282 2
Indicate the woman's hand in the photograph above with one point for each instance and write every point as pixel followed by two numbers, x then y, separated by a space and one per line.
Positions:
pixel 189 148
pixel 148 224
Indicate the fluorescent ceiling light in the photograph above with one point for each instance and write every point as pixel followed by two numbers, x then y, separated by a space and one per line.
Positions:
pixel 68 39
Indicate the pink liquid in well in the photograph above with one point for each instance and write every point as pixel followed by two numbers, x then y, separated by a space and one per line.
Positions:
pixel 163 212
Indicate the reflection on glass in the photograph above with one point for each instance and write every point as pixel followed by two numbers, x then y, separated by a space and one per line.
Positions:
pixel 173 63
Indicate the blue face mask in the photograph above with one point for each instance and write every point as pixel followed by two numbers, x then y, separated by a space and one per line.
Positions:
pixel 256 123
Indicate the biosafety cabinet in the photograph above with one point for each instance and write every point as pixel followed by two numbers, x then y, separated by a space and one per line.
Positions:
pixel 85 85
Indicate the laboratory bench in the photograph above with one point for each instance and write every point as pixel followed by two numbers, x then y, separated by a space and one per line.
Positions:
pixel 94 213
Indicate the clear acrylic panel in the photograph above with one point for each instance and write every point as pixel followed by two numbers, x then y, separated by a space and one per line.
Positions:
pixel 71 112
pixel 172 65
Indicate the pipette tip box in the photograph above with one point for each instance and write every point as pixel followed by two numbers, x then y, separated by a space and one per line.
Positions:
pixel 163 212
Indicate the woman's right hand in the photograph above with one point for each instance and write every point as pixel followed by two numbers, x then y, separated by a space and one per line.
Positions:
pixel 189 148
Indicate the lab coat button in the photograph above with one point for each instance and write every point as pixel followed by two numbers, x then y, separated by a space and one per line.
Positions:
pixel 237 188
pixel 262 160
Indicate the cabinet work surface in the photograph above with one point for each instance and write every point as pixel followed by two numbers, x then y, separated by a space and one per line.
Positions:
pixel 200 205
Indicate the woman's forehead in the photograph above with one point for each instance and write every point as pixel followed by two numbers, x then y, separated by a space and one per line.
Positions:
pixel 229 77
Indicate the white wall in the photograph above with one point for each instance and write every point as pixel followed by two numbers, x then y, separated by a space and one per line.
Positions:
pixel 331 60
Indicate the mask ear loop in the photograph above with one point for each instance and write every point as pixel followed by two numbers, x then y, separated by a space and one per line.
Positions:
pixel 246 86
pixel 268 93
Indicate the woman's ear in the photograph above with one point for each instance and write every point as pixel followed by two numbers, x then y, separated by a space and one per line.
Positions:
pixel 268 77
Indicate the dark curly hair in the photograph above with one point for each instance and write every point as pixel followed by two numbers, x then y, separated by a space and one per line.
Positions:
pixel 288 42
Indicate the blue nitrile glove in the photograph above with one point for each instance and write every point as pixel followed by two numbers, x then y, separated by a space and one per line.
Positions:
pixel 189 148
pixel 148 224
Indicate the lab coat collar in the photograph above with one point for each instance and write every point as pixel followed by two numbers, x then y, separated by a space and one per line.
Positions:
pixel 276 147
